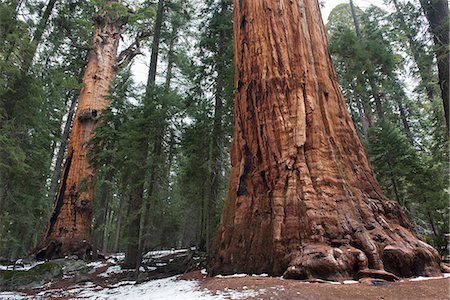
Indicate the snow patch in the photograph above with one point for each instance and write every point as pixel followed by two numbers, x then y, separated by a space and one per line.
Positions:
pixel 232 276
pixel 421 278
pixel 260 275
pixel 163 253
pixel 96 264
pixel 20 266
pixel 12 296
pixel 163 289
pixel 111 270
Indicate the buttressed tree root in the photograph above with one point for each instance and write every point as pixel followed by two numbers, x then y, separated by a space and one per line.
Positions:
pixel 303 201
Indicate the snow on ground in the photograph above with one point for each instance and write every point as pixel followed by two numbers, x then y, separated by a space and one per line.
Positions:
pixel 162 289
pixel 114 258
pixel 170 288
pixel 232 276
pixel 111 270
pixel 162 253
pixel 20 266
pixel 165 289
pixel 96 264
pixel 420 278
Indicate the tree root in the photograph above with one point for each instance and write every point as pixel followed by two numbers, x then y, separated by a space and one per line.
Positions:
pixel 58 248
pixel 338 263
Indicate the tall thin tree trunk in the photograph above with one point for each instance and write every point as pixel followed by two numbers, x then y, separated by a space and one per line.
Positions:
pixel 62 147
pixel 437 13
pixel 138 205
pixel 216 147
pixel 100 223
pixel 303 200
pixel 373 85
pixel 69 229
pixel 155 44
pixel 120 215
pixel 37 37
pixel 355 19
pixel 424 71
pixel 405 120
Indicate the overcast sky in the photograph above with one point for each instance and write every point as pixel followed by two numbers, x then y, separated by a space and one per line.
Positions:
pixel 330 4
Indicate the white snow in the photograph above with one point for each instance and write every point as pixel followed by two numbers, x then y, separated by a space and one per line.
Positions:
pixel 162 253
pixel 20 266
pixel 12 296
pixel 163 289
pixel 111 270
pixel 232 276
pixel 116 257
pixel 96 264
pixel 420 278
pixel 260 275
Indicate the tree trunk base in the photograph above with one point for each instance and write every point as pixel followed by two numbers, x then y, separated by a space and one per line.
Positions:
pixel 58 248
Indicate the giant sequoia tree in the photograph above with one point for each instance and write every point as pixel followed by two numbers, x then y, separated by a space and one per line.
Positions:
pixel 303 200
pixel 69 229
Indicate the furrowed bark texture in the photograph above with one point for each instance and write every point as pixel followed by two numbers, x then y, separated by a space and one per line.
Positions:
pixel 69 229
pixel 303 200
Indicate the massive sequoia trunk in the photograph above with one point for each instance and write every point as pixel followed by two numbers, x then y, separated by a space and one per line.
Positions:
pixel 303 200
pixel 69 229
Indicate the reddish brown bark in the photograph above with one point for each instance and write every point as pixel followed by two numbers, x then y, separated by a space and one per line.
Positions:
pixel 303 200
pixel 69 229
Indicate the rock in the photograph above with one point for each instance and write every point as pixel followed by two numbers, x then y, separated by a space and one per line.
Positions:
pixel 37 275
pixel 445 267
pixel 376 274
pixel 73 268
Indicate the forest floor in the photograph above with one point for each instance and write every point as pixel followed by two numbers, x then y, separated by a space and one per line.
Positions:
pixel 107 280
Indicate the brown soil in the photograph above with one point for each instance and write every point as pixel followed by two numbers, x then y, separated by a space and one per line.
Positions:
pixel 277 288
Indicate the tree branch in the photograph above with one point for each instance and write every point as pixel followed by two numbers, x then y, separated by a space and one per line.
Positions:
pixel 126 56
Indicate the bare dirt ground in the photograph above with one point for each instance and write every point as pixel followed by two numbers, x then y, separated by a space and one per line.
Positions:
pixel 277 288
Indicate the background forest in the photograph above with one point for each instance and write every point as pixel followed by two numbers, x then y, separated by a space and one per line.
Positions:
pixel 162 148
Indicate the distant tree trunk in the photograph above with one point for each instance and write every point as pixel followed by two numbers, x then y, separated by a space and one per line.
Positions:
pixel 303 200
pixel 424 71
pixel 155 44
pixel 405 120
pixel 37 36
pixel 101 218
pixel 137 205
pixel 69 229
pixel 120 215
pixel 132 256
pixel 437 13
pixel 355 19
pixel 216 147
pixel 170 59
pixel 62 147
pixel 373 85
pixel 366 117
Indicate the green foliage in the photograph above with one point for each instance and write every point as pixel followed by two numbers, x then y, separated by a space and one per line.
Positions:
pixel 408 146
pixel 32 105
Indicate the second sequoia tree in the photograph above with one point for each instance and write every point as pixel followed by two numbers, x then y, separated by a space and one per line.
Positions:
pixel 69 229
pixel 303 200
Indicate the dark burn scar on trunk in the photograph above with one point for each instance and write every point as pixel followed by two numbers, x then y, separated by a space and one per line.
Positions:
pixel 242 189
